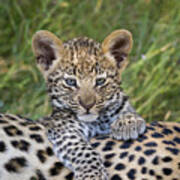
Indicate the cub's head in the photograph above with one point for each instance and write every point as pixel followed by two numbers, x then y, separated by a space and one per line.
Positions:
pixel 81 74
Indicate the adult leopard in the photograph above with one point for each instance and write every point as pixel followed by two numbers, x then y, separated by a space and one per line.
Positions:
pixel 25 153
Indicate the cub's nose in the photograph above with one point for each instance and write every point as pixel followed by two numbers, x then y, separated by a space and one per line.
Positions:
pixel 87 105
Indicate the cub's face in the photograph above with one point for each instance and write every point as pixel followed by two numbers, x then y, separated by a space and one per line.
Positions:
pixel 81 74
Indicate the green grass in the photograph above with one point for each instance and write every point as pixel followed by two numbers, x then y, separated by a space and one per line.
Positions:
pixel 152 79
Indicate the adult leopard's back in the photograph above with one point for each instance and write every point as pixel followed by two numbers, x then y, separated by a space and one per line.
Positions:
pixel 25 153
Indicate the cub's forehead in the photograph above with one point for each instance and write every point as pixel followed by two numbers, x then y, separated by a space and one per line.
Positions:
pixel 79 43
pixel 84 56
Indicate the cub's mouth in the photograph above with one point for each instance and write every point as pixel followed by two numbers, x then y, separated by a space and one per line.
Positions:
pixel 87 117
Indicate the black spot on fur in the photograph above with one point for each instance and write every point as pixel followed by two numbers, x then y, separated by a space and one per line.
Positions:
pixel 176 128
pixel 95 145
pixel 142 138
pixel 37 138
pixel 79 154
pixel 109 156
pixel 73 137
pixel 167 131
pixel 56 169
pixel 177 140
pixel 126 145
pixel 49 151
pixel 13 131
pixel 116 177
pixel 131 157
pixel 123 155
pixel 21 144
pixel 23 124
pixel 120 167
pixel 151 172
pixel 169 142
pixel 173 150
pixel 144 170
pixel 150 128
pixel 2 121
pixel 73 159
pixel 107 164
pixel 69 176
pixel 108 146
pixel 35 128
pixel 87 155
pixel 157 135
pixel 167 159
pixel 14 143
pixel 141 161
pixel 15 164
pixel 159 177
pixel 41 155
pixel 155 123
pixel 151 144
pixel 131 173
pixel 155 160
pixel 40 175
pixel 149 152
pixel 178 165
pixel 11 117
pixel 167 171
pixel 2 146
pixel 138 148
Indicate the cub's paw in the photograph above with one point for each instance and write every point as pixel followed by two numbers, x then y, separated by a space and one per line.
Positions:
pixel 128 126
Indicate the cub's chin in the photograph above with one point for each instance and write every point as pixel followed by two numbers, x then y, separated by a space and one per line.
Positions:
pixel 87 117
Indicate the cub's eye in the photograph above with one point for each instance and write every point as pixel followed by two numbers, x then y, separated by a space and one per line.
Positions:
pixel 71 82
pixel 100 81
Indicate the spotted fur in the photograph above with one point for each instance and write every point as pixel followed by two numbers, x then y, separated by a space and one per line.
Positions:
pixel 154 155
pixel 83 80
pixel 84 77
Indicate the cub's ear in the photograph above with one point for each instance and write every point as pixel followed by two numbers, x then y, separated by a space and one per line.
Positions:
pixel 117 46
pixel 48 50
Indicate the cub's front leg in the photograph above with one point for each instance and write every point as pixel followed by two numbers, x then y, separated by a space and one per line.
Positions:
pixel 129 125
pixel 72 148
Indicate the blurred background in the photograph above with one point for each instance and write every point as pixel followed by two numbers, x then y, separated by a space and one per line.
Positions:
pixel 152 78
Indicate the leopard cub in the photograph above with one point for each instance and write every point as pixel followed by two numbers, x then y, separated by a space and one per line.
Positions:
pixel 83 78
